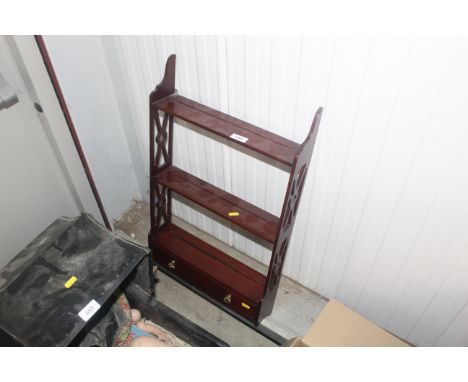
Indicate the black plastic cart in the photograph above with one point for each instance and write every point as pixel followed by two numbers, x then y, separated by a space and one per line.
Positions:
pixel 62 285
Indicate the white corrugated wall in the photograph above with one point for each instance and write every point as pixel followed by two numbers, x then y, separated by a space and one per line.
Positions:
pixel 383 222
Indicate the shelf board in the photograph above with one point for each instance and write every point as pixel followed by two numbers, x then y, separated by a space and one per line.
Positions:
pixel 206 259
pixel 259 140
pixel 247 216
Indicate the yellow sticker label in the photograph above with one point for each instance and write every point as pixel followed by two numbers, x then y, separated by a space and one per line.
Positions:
pixel 70 282
pixel 233 213
pixel 244 305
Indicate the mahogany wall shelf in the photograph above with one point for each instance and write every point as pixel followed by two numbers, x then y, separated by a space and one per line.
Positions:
pixel 228 283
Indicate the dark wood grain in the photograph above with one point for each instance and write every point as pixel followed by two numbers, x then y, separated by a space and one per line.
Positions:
pixel 251 218
pixel 215 263
pixel 208 269
pixel 259 140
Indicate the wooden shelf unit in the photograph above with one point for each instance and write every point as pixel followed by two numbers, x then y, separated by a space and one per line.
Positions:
pixel 228 283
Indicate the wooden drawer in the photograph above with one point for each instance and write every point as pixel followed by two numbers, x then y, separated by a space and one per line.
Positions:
pixel 206 284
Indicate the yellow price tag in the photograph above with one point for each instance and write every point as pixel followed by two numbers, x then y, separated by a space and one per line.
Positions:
pixel 233 213
pixel 70 282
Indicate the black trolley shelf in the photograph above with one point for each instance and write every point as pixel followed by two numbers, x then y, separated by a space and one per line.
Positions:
pixel 59 287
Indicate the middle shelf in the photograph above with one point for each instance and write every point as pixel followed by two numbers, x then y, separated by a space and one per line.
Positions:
pixel 235 210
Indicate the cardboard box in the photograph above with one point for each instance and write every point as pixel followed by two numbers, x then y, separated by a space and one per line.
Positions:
pixel 338 325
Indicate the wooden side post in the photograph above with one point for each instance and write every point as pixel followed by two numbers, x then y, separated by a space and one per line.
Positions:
pixel 288 216
pixel 161 155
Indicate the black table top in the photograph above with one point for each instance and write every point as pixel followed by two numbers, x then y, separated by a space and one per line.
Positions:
pixel 36 307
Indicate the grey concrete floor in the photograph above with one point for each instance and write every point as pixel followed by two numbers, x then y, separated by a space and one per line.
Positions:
pixel 295 308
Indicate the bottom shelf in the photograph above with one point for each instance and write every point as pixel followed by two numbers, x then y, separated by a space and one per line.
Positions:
pixel 208 270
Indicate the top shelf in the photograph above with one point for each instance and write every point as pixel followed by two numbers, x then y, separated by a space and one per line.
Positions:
pixel 254 138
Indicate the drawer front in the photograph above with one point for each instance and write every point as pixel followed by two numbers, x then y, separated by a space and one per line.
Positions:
pixel 213 288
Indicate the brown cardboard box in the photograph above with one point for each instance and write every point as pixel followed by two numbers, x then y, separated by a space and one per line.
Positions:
pixel 338 325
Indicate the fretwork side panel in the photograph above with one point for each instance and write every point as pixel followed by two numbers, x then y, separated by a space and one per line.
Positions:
pixel 288 216
pixel 161 133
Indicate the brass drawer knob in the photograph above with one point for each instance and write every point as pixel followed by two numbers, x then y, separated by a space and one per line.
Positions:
pixel 227 298
pixel 171 264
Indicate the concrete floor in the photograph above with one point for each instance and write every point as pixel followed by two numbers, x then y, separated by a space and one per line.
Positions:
pixel 295 307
